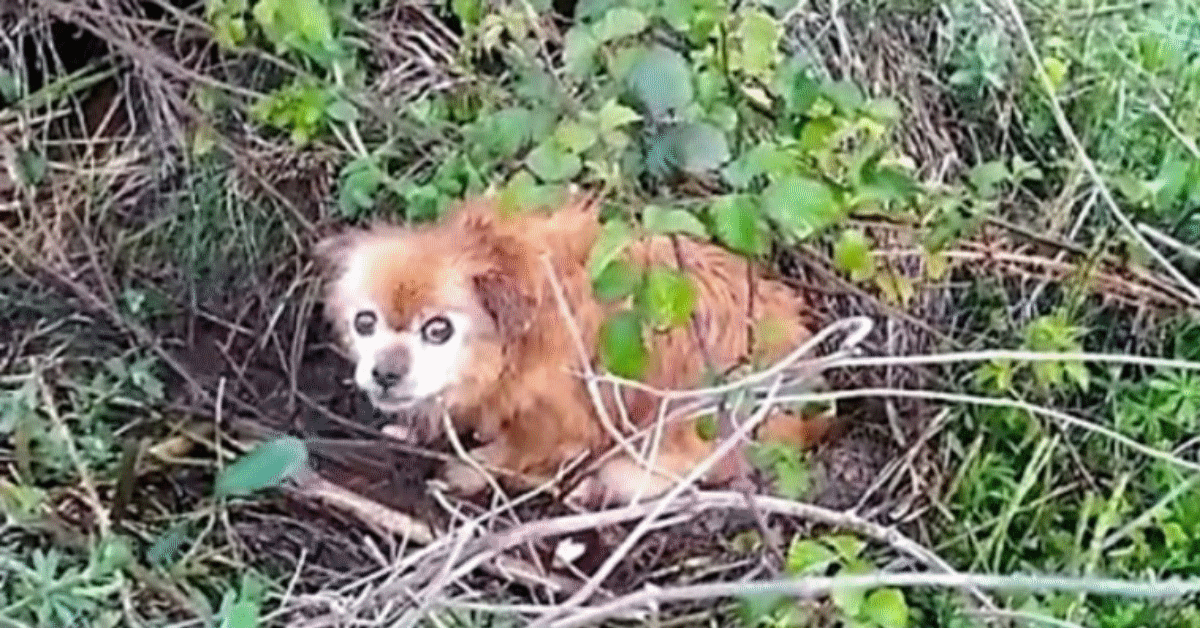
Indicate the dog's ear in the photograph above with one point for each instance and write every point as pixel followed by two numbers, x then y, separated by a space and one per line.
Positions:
pixel 505 283
pixel 331 252
pixel 507 299
pixel 575 226
pixel 474 215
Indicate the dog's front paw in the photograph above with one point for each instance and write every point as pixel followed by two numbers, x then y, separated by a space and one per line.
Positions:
pixel 589 493
pixel 398 431
pixel 462 478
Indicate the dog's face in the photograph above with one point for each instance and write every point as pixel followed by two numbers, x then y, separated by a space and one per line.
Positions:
pixel 433 313
pixel 411 314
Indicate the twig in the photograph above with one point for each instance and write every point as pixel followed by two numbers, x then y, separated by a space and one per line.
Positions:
pixel 1150 513
pixel 1015 355
pixel 1187 142
pixel 816 586
pixel 1167 240
pixel 856 328
pixel 85 475
pixel 395 522
pixel 993 402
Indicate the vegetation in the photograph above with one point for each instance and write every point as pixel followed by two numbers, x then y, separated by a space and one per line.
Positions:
pixel 913 162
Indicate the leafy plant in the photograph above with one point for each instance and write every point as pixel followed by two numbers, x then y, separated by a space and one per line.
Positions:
pixel 266 465
pixel 53 589
pixel 833 554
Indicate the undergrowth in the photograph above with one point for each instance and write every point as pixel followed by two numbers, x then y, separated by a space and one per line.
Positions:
pixel 696 118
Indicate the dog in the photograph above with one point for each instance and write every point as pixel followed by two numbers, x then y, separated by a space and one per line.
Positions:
pixel 463 315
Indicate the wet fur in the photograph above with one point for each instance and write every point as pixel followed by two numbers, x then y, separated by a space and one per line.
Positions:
pixel 521 393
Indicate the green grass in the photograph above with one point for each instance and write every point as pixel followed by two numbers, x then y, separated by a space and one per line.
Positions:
pixel 801 160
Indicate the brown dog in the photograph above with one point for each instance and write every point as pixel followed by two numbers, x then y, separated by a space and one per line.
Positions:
pixel 464 314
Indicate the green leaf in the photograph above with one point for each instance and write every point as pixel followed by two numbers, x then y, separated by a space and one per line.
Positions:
pixel 468 11
pixel 165 549
pixel 695 147
pixel 736 222
pixel 508 130
pixel 887 608
pixel 667 221
pixel 1078 372
pixel 114 553
pixel 1056 71
pixel 804 92
pixel 31 166
pixel 755 609
pixel 10 87
pixel 706 427
pixel 986 176
pixel 802 205
pixel 520 191
pixel 703 147
pixel 618 23
pixel 617 281
pixel 888 184
pixel 759 34
pixel 242 615
pixel 806 557
pixel 847 546
pixel 661 81
pixel 579 50
pixel 845 95
pixel 792 479
pixel 297 24
pixel 613 116
pixel 764 159
pixel 884 110
pixel 574 137
pixel 342 111
pixel 588 10
pixel 311 19
pixel 667 298
pixel 849 600
pixel 551 163
pixel 816 133
pixel 360 179
pixel 613 239
pixel 852 254
pixel 621 345
pixel 265 466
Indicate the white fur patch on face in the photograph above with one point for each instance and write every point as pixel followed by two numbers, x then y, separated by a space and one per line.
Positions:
pixel 433 367
pixel 434 363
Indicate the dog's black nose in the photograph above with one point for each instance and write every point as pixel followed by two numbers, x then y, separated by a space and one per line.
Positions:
pixel 385 378
pixel 391 366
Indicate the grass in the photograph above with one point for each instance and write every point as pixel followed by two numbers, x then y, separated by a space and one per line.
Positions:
pixel 898 159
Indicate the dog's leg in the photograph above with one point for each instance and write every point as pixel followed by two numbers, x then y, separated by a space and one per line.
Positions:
pixel 495 457
pixel 464 478
pixel 802 431
pixel 622 479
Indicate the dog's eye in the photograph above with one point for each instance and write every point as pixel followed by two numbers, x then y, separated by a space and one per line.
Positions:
pixel 437 330
pixel 364 323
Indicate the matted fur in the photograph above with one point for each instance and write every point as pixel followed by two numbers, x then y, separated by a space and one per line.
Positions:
pixel 516 384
